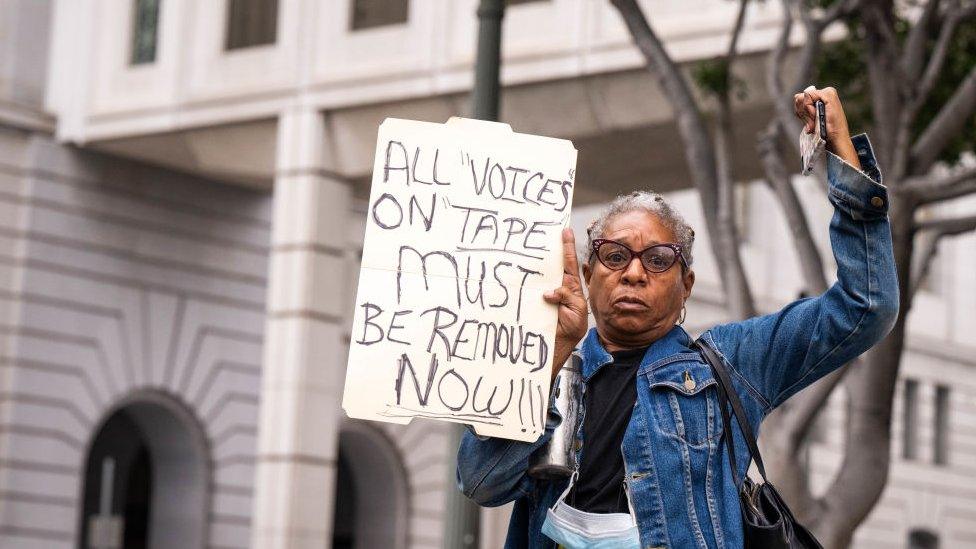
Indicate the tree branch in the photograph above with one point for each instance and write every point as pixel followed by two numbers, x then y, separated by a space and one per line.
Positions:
pixel 955 15
pixel 699 150
pixel 741 303
pixel 948 226
pixel 737 31
pixel 777 57
pixel 932 234
pixel 950 120
pixel 691 125
pixel 914 58
pixel 789 426
pixel 887 84
pixel 813 27
pixel 913 64
pixel 927 190
pixel 936 61
pixel 929 246
pixel 778 178
pixel 841 8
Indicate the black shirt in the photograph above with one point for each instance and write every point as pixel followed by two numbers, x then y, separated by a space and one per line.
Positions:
pixel 610 397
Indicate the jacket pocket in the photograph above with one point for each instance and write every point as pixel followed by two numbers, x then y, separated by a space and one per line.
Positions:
pixel 685 405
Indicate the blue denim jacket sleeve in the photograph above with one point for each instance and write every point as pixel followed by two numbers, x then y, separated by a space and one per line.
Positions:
pixel 492 471
pixel 781 353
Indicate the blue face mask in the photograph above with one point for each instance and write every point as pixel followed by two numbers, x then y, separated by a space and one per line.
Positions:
pixel 575 529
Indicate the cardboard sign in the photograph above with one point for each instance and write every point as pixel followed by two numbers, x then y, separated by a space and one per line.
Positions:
pixel 463 236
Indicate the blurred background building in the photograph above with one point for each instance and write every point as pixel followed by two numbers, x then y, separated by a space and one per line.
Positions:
pixel 182 203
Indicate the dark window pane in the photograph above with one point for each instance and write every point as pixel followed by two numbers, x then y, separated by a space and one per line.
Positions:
pixel 251 23
pixel 922 539
pixel 910 420
pixel 144 26
pixel 941 455
pixel 367 14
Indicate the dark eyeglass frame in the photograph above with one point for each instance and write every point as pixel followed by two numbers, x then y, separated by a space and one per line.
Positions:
pixel 678 254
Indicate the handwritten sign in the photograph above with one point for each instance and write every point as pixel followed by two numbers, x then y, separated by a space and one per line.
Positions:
pixel 463 236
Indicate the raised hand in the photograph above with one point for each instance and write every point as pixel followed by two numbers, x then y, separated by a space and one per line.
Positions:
pixel 838 134
pixel 571 326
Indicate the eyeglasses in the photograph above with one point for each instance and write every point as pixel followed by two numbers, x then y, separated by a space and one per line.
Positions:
pixel 655 259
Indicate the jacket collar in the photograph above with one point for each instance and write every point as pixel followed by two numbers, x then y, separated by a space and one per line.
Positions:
pixel 595 356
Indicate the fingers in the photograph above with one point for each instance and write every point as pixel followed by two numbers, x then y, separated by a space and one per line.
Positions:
pixel 571 290
pixel 800 110
pixel 828 95
pixel 570 263
pixel 803 104
pixel 565 297
pixel 558 296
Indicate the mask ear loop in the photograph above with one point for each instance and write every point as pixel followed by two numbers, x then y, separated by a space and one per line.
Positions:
pixel 572 482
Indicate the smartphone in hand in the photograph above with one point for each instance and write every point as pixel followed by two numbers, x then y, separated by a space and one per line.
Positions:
pixel 812 145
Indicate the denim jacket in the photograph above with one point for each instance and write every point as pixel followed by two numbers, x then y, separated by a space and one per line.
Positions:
pixel 677 475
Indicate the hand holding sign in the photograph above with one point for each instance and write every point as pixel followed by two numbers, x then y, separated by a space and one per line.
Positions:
pixel 571 326
pixel 463 238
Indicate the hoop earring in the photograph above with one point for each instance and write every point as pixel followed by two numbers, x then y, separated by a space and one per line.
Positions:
pixel 684 313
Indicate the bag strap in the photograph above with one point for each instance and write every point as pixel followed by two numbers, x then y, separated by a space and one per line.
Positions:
pixel 727 428
pixel 728 395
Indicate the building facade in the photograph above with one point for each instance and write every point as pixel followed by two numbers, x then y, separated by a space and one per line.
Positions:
pixel 183 189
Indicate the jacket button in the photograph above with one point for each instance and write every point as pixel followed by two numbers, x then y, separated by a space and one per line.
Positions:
pixel 877 202
pixel 578 445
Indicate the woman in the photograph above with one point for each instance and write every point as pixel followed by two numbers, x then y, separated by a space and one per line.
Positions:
pixel 653 470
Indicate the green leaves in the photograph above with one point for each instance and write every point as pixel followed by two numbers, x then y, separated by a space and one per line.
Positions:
pixel 714 77
pixel 842 65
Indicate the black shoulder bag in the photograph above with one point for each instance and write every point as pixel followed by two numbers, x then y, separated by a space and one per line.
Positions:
pixel 766 520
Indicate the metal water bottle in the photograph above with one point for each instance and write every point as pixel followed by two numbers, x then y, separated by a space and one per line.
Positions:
pixel 557 458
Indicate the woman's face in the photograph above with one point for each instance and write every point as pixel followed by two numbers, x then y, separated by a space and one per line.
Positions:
pixel 634 307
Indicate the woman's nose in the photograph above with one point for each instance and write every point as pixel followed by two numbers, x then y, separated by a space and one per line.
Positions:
pixel 634 273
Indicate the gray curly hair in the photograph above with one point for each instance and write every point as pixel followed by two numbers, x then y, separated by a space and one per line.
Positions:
pixel 647 201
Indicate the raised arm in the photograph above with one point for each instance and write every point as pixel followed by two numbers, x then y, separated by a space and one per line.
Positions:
pixel 781 353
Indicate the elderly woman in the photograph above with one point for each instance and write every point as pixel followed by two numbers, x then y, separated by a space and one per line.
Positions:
pixel 651 448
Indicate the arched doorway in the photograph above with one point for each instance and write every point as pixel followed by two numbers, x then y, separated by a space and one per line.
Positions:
pixel 146 480
pixel 372 493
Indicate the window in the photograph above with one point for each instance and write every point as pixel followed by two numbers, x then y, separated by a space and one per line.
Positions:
pixel 909 441
pixel 922 539
pixel 367 14
pixel 941 450
pixel 251 23
pixel 145 24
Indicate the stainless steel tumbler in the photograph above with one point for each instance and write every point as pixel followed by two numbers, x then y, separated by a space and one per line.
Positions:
pixel 557 459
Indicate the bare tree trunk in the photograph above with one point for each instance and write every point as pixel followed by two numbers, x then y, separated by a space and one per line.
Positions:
pixel 786 430
pixel 900 79
pixel 864 470
pixel 780 181
pixel 741 303
pixel 699 150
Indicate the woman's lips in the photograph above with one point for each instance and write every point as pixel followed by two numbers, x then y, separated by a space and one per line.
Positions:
pixel 629 303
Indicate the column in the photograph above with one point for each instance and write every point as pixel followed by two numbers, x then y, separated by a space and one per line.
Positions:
pixel 304 355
